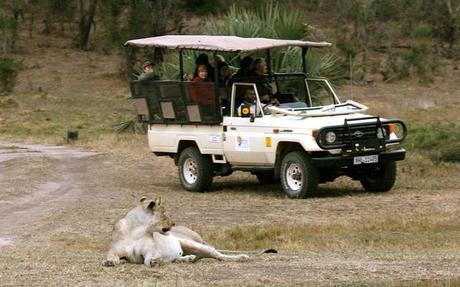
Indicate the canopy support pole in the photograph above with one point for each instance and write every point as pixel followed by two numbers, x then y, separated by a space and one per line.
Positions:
pixel 181 65
pixel 304 59
pixel 216 86
pixel 269 64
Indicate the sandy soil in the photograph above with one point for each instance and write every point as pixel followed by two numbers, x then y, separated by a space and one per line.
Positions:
pixel 58 205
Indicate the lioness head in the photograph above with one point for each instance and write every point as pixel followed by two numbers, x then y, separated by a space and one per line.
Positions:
pixel 159 222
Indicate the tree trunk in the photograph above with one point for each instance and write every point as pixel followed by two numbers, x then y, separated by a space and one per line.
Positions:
pixel 86 22
pixel 453 22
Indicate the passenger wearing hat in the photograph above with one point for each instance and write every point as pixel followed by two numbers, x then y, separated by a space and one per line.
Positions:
pixel 148 72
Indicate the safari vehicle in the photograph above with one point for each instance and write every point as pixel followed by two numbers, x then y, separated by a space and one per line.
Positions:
pixel 311 137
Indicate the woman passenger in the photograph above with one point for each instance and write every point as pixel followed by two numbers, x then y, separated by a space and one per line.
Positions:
pixel 201 74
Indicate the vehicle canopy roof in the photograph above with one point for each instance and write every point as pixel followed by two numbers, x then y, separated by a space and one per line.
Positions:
pixel 220 43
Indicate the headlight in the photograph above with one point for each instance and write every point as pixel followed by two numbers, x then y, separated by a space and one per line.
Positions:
pixel 381 133
pixel 330 137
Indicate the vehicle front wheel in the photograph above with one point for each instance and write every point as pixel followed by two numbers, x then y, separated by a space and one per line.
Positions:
pixel 299 178
pixel 195 170
pixel 381 179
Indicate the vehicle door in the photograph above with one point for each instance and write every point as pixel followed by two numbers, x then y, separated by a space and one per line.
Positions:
pixel 245 135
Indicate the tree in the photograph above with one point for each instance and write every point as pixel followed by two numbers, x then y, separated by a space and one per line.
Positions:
pixel 453 21
pixel 86 21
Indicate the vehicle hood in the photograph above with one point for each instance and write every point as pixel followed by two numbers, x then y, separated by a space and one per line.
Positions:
pixel 295 122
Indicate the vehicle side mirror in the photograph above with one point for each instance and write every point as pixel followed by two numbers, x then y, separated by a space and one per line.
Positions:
pixel 252 118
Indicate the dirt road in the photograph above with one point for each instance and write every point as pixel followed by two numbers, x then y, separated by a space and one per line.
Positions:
pixel 58 205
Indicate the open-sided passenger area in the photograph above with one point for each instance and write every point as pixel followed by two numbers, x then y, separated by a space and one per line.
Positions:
pixel 176 102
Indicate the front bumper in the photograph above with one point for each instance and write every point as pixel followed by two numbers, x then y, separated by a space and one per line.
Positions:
pixel 347 160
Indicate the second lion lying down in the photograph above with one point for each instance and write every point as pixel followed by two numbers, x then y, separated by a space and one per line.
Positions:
pixel 147 235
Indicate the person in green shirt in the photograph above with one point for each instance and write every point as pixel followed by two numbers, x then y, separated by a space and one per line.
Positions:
pixel 148 72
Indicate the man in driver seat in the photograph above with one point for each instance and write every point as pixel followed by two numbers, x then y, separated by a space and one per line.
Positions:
pixel 248 106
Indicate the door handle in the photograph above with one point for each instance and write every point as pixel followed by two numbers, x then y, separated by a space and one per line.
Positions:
pixel 232 128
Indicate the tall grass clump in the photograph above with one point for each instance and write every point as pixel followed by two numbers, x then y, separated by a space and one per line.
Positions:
pixel 441 142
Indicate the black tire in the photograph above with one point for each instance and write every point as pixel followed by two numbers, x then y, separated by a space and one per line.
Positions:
pixel 266 177
pixel 299 178
pixel 382 179
pixel 195 170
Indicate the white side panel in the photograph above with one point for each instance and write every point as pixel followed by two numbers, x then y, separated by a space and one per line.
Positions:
pixel 166 138
pixel 245 142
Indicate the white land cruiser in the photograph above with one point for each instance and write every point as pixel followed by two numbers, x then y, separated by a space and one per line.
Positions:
pixel 311 137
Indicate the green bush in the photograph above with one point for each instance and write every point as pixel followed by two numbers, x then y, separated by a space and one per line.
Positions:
pixel 131 126
pixel 418 61
pixel 9 69
pixel 423 31
pixel 450 153
pixel 439 141
pixel 270 20
pixel 8 33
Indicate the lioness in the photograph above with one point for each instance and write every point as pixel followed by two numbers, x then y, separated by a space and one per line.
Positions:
pixel 146 235
pixel 143 236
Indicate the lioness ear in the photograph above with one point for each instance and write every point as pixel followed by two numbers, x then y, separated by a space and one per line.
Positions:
pixel 158 201
pixel 147 204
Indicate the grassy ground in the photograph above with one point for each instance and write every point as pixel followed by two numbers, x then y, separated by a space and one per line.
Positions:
pixel 59 211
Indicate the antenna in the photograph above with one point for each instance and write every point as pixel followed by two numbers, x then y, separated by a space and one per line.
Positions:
pixel 351 77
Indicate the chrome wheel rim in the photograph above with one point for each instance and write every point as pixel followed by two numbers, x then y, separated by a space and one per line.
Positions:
pixel 190 171
pixel 294 177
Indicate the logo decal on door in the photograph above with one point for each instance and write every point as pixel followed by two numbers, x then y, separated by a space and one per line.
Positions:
pixel 242 143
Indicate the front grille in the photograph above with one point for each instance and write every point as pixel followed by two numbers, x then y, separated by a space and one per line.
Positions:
pixel 356 135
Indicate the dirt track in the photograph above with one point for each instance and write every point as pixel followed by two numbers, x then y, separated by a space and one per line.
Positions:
pixel 57 207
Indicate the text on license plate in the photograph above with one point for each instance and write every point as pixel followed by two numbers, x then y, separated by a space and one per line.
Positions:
pixel 366 159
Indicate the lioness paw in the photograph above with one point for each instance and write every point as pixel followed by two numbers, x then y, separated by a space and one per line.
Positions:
pixel 156 262
pixel 187 259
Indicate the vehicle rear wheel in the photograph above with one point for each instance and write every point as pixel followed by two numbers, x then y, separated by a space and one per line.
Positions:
pixel 195 170
pixel 266 177
pixel 382 179
pixel 299 178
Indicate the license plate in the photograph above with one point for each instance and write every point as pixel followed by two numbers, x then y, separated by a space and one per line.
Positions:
pixel 366 159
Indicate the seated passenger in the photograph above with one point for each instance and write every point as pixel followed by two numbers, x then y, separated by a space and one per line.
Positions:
pixel 245 71
pixel 201 74
pixel 263 83
pixel 218 59
pixel 148 72
pixel 201 90
pixel 248 106
pixel 224 73
pixel 203 59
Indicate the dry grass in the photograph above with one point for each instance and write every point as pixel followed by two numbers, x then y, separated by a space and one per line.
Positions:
pixel 391 234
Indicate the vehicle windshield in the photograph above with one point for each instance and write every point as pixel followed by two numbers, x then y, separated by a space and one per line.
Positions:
pixel 295 92
pixel 321 93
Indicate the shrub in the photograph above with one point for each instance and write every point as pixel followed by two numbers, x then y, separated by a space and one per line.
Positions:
pixel 8 33
pixel 9 69
pixel 418 61
pixel 441 142
pixel 450 153
pixel 131 126
pixel 423 31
